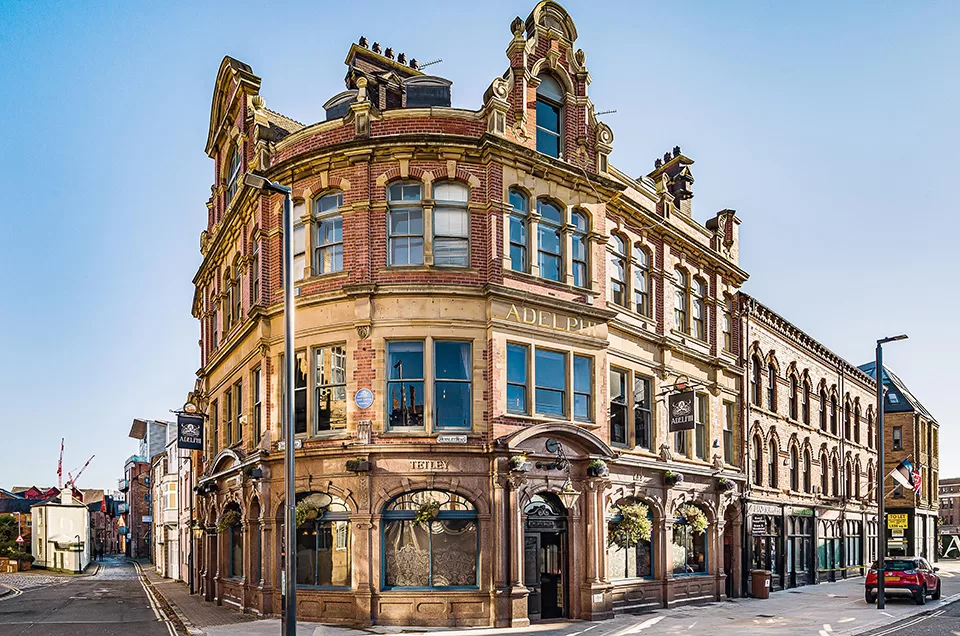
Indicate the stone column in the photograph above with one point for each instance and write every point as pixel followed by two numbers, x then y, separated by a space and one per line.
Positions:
pixel 518 591
pixel 665 530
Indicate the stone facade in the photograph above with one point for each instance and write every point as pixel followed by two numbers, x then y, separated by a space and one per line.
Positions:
pixel 811 455
pixel 491 321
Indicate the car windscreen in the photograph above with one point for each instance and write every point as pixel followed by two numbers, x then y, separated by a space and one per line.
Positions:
pixel 899 565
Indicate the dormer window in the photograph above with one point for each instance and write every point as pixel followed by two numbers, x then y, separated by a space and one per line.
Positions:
pixel 427 90
pixel 233 174
pixel 549 116
pixel 339 105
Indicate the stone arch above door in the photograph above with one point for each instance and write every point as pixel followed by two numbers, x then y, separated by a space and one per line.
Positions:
pixel 578 442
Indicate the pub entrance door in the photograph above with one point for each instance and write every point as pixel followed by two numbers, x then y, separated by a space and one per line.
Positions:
pixel 544 557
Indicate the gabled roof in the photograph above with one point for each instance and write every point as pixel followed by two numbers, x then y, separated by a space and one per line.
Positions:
pixel 6 494
pixel 232 72
pixel 898 398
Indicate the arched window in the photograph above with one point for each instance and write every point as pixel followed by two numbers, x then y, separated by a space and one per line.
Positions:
pixel 451 224
pixel 235 543
pixel 847 428
pixel 235 296
pixel 727 326
pixel 757 370
pixel 793 397
pixel 806 402
pixel 824 475
pixel 227 302
pixel 757 461
pixel 772 387
pixel 698 293
pixel 405 224
pixel 772 464
pixel 823 409
pixel 856 479
pixel 848 468
pixel 641 280
pixel 835 477
pixel 681 290
pixel 578 241
pixel 518 231
pixel 870 429
pixel 833 414
pixel 549 242
pixel 618 271
pixel 549 116
pixel 635 562
pixel 689 548
pixel 870 485
pixel 232 175
pixel 328 250
pixel 323 541
pixel 794 469
pixel 856 424
pixel 438 553
pixel 807 470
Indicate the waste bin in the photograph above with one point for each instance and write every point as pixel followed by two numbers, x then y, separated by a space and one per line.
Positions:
pixel 760 583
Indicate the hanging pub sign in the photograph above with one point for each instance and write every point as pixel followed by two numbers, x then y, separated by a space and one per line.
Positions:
pixel 680 406
pixel 190 431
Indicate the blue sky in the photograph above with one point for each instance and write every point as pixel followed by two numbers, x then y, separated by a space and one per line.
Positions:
pixel 830 127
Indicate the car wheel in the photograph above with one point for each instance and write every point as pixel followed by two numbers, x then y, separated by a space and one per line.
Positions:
pixel 921 596
pixel 936 593
pixel 868 597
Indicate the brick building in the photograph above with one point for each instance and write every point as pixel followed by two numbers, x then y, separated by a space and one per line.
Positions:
pixel 135 526
pixel 811 512
pixel 910 432
pixel 492 322
pixel 949 528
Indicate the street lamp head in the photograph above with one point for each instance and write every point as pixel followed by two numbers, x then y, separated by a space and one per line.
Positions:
pixel 262 183
pixel 892 339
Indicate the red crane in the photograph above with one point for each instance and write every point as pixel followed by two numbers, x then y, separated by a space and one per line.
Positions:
pixel 60 467
pixel 73 480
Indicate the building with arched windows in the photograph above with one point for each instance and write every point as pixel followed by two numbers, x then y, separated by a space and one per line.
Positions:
pixel 491 321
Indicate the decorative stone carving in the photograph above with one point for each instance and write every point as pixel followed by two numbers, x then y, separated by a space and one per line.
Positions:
pixel 363 331
pixel 516 27
pixel 665 453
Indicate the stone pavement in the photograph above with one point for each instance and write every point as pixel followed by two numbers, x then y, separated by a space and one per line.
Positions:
pixel 196 614
pixel 827 609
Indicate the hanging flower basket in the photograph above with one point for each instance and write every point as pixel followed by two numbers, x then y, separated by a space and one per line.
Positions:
pixel 305 512
pixel 725 484
pixel 694 518
pixel 633 527
pixel 227 520
pixel 520 464
pixel 427 512
pixel 672 478
pixel 598 468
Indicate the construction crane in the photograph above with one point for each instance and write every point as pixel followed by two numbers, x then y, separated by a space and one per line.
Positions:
pixel 60 467
pixel 73 480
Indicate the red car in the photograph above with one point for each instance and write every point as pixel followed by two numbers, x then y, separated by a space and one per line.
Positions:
pixel 904 576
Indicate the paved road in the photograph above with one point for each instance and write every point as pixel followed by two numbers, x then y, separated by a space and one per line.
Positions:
pixel 113 602
pixel 941 622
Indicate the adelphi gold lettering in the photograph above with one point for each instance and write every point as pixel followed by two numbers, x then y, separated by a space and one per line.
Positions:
pixel 550 319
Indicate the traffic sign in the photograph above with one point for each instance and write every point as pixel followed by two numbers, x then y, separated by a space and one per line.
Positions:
pixel 20 538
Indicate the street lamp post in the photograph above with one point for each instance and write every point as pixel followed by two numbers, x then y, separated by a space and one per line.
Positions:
pixel 882 472
pixel 289 588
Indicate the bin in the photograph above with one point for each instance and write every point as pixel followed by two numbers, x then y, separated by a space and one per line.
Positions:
pixel 760 583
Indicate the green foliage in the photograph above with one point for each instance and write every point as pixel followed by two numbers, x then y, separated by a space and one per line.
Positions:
pixel 21 556
pixel 694 518
pixel 305 511
pixel 8 534
pixel 427 512
pixel 227 520
pixel 633 527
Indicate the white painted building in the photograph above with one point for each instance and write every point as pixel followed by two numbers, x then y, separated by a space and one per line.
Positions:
pixel 61 535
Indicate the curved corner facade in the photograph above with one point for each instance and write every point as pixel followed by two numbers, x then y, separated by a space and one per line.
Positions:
pixel 491 322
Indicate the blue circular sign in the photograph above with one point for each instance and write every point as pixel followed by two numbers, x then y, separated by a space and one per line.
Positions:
pixel 364 398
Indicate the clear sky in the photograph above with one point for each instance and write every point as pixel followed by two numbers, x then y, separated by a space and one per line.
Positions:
pixel 830 127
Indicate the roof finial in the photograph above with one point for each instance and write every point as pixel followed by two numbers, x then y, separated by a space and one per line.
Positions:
pixel 376 47
pixel 363 41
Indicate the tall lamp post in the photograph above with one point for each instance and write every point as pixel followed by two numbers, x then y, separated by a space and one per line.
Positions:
pixel 882 473
pixel 289 588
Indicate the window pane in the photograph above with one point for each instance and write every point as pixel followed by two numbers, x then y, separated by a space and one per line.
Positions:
pixel 454 552
pixel 517 364
pixel 406 554
pixel 551 369
pixel 548 116
pixel 549 212
pixel 405 360
pixel 330 202
pixel 453 404
pixel 450 191
pixel 331 230
pixel 299 239
pixel 518 231
pixel 406 403
pixel 518 200
pixel 300 393
pixel 518 259
pixel 516 398
pixel 549 402
pixel 582 374
pixel 618 407
pixel 451 251
pixel 452 360
pixel 549 239
pixel 550 266
pixel 451 222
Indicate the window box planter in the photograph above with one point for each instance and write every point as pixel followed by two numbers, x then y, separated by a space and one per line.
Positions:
pixel 671 478
pixel 725 485
pixel 359 465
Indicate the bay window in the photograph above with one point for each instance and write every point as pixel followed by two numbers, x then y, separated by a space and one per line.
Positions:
pixel 405 384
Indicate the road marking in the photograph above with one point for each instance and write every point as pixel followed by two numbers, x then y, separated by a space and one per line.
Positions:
pixel 636 629
pixel 846 620
pixel 903 626
pixel 15 592
pixel 827 628
pixel 154 605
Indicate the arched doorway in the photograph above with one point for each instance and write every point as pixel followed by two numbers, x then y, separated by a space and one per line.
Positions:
pixel 545 557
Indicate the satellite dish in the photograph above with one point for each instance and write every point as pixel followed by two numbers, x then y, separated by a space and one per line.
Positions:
pixel 552 445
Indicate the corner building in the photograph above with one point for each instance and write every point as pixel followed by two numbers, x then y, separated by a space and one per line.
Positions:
pixel 517 307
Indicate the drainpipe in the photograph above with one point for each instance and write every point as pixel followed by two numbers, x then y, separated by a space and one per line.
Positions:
pixel 745 440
